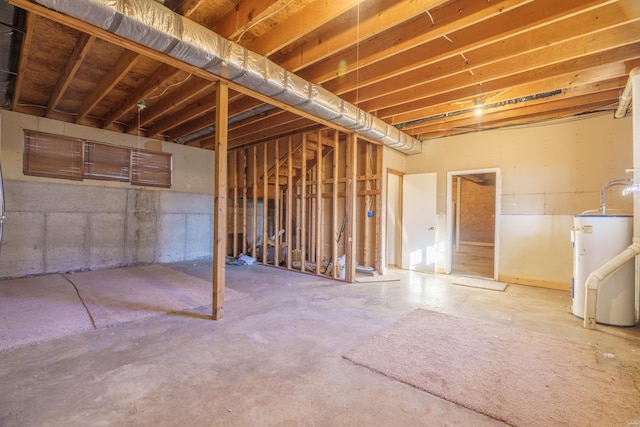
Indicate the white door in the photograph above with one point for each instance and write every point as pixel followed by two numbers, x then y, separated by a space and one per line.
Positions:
pixel 419 251
pixel 394 232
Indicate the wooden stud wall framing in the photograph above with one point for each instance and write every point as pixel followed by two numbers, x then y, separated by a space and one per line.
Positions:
pixel 318 187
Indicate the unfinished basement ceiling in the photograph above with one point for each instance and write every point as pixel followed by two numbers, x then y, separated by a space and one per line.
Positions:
pixel 424 66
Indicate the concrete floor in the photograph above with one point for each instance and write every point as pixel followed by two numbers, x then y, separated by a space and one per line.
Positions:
pixel 275 359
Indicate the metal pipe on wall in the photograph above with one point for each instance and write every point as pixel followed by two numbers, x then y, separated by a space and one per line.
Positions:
pixel 597 279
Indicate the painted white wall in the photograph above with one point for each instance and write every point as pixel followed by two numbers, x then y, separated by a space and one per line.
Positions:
pixel 550 172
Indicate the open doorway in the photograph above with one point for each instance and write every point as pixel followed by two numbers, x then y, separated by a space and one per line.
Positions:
pixel 471 216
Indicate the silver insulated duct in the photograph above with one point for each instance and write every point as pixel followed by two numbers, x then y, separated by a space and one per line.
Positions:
pixel 153 25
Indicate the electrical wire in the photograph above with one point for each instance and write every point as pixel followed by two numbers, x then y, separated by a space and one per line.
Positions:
pixel 169 87
pixel 261 20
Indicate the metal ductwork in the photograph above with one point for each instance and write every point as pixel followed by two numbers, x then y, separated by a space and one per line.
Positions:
pixel 153 25
pixel 11 31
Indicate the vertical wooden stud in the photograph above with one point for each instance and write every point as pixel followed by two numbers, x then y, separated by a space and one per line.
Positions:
pixel 303 203
pixel 244 201
pixel 289 227
pixel 368 171
pixel 220 199
pixel 319 216
pixel 378 210
pixel 265 204
pixel 334 204
pixel 254 211
pixel 236 206
pixel 351 197
pixel 276 216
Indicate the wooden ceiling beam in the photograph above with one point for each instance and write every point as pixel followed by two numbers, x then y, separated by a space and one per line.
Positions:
pixel 299 124
pixel 530 111
pixel 189 90
pixel 571 89
pixel 499 80
pixel 298 25
pixel 381 35
pixel 184 7
pixel 496 26
pixel 204 105
pixel 246 14
pixel 162 74
pixel 150 53
pixel 442 103
pixel 262 124
pixel 239 104
pixel 414 69
pixel 80 51
pixel 125 63
pixel 27 44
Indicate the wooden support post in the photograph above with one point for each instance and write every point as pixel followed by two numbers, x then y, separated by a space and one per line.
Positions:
pixel 351 197
pixel 378 210
pixel 334 204
pixel 303 203
pixel 318 224
pixel 244 201
pixel 289 227
pixel 234 253
pixel 265 204
pixel 276 205
pixel 220 199
pixel 254 211
pixel 368 205
pixel 457 209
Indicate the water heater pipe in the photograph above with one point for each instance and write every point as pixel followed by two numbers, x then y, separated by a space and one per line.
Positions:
pixel 597 279
pixel 625 97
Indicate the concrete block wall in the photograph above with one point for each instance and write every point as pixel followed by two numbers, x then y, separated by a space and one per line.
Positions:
pixel 57 227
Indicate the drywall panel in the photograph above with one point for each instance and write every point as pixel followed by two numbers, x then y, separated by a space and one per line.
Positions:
pixel 572 159
pixel 537 250
pixel 550 172
pixel 521 204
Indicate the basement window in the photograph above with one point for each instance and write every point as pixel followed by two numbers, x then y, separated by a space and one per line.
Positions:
pixel 106 162
pixel 52 157
pixel 151 168
pixel 55 156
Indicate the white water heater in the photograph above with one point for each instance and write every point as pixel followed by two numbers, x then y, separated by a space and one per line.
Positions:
pixel 597 239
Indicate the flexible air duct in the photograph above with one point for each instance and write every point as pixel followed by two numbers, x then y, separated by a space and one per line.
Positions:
pixel 153 25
